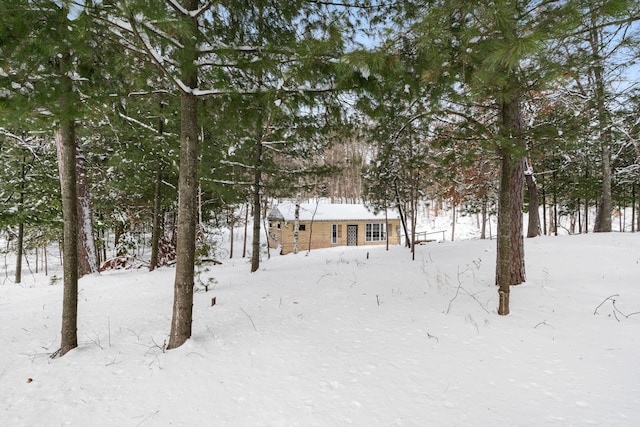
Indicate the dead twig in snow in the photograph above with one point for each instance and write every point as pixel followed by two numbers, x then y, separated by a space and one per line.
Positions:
pixel 250 319
pixel 460 288
pixel 434 337
pixel 115 362
pixel 146 417
pixel 323 276
pixel 605 300
pixel 95 340
pixel 616 310
pixel 544 322
pixel 473 322
pixel 163 347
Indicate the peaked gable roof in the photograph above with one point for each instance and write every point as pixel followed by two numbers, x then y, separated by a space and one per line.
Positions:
pixel 327 212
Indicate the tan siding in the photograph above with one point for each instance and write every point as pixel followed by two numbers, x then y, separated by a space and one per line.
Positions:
pixel 321 235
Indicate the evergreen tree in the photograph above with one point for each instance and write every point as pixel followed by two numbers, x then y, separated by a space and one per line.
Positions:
pixel 492 54
pixel 599 53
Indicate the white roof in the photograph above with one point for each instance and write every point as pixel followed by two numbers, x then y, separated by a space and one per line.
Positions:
pixel 327 212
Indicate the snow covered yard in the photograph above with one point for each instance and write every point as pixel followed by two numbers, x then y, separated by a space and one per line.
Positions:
pixel 335 338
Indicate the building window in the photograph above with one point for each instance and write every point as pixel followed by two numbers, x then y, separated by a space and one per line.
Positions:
pixel 374 232
pixel 334 233
pixel 302 227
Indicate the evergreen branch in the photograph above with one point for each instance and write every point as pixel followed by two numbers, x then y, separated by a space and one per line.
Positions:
pixel 232 163
pixel 178 7
pixel 227 182
pixel 189 13
pixel 477 123
pixel 21 140
pixel 176 43
pixel 138 122
pixel 197 13
pixel 363 6
pixel 151 92
pixel 585 31
pixel 155 58
pixel 215 48
pixel 122 39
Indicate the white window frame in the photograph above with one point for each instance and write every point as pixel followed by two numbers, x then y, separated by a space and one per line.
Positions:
pixel 375 232
pixel 334 234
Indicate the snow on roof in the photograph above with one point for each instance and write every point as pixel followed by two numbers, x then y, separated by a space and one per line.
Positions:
pixel 327 212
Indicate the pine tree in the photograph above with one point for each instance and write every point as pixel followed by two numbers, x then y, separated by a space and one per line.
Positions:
pixel 492 54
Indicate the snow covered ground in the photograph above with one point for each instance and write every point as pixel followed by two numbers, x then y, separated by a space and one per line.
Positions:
pixel 344 336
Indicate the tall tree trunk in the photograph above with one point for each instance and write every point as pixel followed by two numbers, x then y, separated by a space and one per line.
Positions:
pixel 579 211
pixel 65 139
pixel 510 246
pixel 402 215
pixel 533 229
pixel 296 225
pixel 87 250
pixel 483 229
pixel 20 242
pixel 453 219
pixel 603 214
pixel 19 251
pixel 503 277
pixel 638 212
pixel 265 227
pixel 386 225
pixel 156 232
pixel 586 216
pixel 257 203
pixel 232 226
pixel 257 173
pixel 555 209
pixel 517 223
pixel 66 148
pixel 187 190
pixel 633 208
pixel 246 224
pixel 544 209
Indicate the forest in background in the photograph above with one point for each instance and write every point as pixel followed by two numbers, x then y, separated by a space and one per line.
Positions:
pixel 121 116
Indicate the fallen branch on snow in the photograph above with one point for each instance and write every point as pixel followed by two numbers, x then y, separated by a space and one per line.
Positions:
pixel 616 310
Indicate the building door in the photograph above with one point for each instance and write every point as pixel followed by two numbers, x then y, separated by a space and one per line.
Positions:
pixel 352 235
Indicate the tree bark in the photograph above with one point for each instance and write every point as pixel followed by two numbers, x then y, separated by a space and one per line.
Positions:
pixel 257 199
pixel 87 251
pixel 533 229
pixel 19 251
pixel 156 232
pixel 638 213
pixel 633 208
pixel 246 223
pixel 402 216
pixel 187 190
pixel 603 214
pixel 257 173
pixel 66 148
pixel 296 225
pixel 503 279
pixel 453 220
pixel 517 223
pixel 510 245
pixel 232 226
pixel 20 242
pixel 483 230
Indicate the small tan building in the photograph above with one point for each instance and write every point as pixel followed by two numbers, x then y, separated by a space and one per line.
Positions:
pixel 329 225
